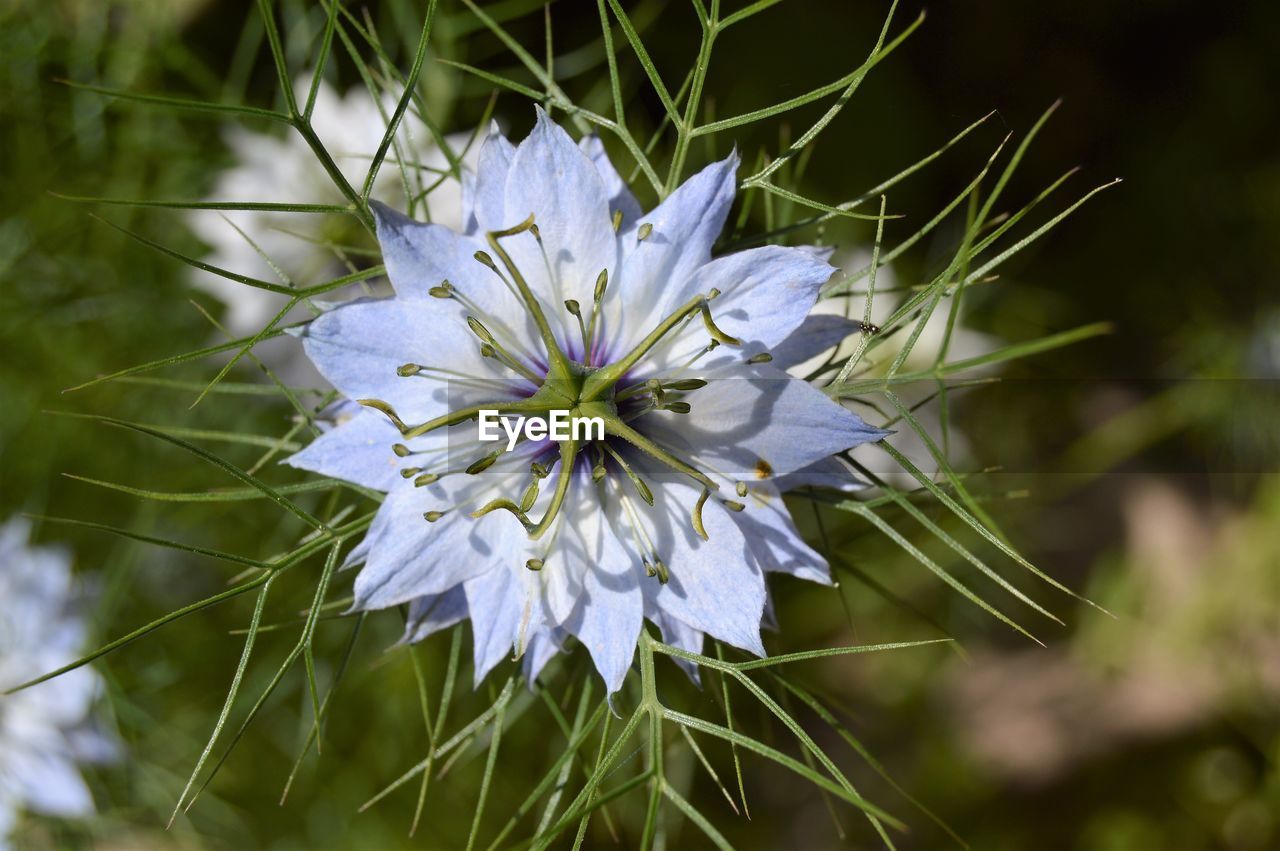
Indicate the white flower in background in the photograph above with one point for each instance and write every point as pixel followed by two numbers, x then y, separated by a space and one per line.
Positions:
pixel 965 343
pixel 561 294
pixel 281 168
pixel 46 730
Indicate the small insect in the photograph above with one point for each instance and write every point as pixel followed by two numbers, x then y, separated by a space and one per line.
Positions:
pixel 868 328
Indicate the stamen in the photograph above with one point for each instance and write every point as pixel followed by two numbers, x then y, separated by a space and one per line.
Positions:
pixel 741 488
pixel 763 357
pixel 732 505
pixel 530 405
pixel 575 310
pixel 410 472
pixel 602 282
pixel 401 450
pixel 697 516
pixel 426 479
pixel 600 381
pixel 530 496
pixel 534 564
pixel 444 290
pixel 617 220
pixel 484 463
pixel 642 233
pixel 678 407
pixel 491 348
pixel 568 453
pixel 560 367
pixel 433 516
pixel 639 483
pixel 615 426
pixel 598 471
pixel 408 369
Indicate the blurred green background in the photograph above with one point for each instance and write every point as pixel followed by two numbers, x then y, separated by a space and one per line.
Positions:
pixel 1143 463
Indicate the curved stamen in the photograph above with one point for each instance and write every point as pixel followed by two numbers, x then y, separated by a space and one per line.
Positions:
pixel 615 426
pixel 568 453
pixel 600 381
pixel 530 405
pixel 557 359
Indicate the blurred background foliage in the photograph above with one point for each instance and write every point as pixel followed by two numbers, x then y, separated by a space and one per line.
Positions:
pixel 1143 463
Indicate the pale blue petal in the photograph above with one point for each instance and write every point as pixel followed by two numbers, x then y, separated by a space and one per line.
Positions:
pixel 773 541
pixel 486 213
pixel 831 473
pixel 434 612
pixel 419 256
pixel 765 294
pixel 542 646
pixel 496 601
pixel 357 451
pixel 360 347
pixel 610 608
pixel 753 422
pixel 714 588
pixel 554 180
pixel 816 335
pixel 620 198
pixel 654 271
pixel 411 557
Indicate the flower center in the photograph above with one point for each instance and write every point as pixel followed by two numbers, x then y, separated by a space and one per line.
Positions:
pixel 580 389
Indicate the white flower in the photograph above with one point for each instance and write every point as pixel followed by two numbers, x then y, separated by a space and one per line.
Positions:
pixel 965 343
pixel 283 169
pixel 46 730
pixel 561 294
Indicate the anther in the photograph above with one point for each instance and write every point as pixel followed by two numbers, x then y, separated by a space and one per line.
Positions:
pixel 484 463
pixel 534 564
pixel 685 384
pixel 639 483
pixel 678 407
pixel 643 232
pixel 477 328
pixel 763 357
pixel 444 290
pixel 432 516
pixel 741 488
pixel 537 234
pixel 602 281
pixel 409 472
pixel 617 220
pixel 401 450
pixel 530 496
pixel 486 260
pixel 660 570
pixel 571 305
pixel 487 350
pixel 408 369
pixel 538 470
pixel 732 505
pixel 697 515
pixel 426 479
